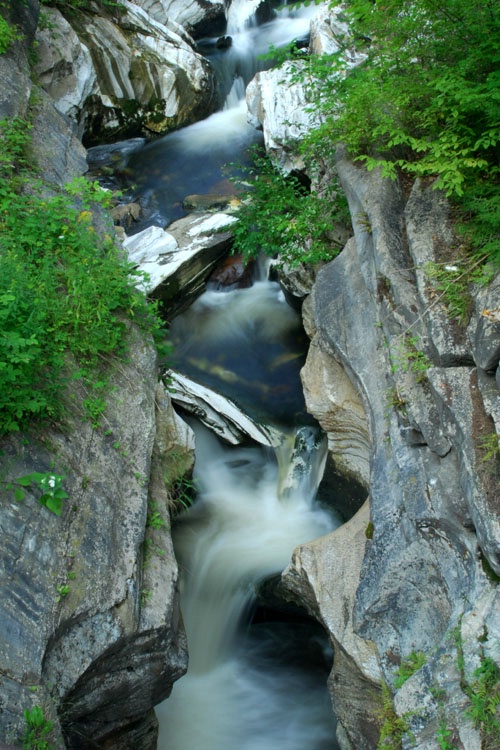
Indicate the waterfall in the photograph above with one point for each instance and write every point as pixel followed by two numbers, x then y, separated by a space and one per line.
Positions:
pixel 251 684
pixel 248 687
pixel 257 667
pixel 194 159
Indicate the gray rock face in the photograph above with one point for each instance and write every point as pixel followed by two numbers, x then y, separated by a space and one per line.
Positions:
pixel 431 504
pixel 407 399
pixel 194 15
pixel 15 83
pixel 107 647
pixel 118 76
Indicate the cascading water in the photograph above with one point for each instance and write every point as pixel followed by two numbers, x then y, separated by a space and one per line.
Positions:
pixel 252 685
pixel 254 682
pixel 194 159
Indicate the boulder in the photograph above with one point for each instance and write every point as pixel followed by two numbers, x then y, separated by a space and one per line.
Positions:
pixel 284 118
pixel 219 413
pixel 182 258
pixel 198 17
pixel 120 76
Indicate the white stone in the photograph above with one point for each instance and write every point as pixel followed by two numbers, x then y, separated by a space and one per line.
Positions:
pixel 218 413
pixel 184 12
pixel 63 64
pixel 213 223
pixel 149 245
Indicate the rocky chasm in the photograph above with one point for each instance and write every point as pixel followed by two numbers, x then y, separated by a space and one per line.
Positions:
pixel 410 571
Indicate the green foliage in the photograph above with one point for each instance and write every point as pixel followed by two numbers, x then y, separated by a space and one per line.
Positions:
pixel 393 727
pixel 490 447
pixel 407 356
pixel 484 695
pixel 443 736
pixel 66 292
pixel 183 492
pixel 282 218
pixel 48 484
pixel 8 35
pixel 408 667
pixel 62 591
pixel 425 100
pixel 155 519
pixel 453 281
pixel 38 730
pixel 483 692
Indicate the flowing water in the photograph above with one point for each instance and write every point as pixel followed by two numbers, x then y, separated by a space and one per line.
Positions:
pixel 257 669
pixel 196 159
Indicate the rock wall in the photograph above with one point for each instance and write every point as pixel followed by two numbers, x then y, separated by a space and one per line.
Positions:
pixel 91 630
pixel 433 508
pixel 407 398
pixel 90 609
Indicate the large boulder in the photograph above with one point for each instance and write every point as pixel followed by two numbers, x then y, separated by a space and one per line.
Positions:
pixel 182 258
pixel 118 76
pixel 198 17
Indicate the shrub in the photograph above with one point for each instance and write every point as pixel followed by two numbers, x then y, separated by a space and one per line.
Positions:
pixel 65 290
pixel 283 218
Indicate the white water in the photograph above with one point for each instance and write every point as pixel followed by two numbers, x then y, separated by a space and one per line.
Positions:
pixel 238 692
pixel 195 158
pixel 254 681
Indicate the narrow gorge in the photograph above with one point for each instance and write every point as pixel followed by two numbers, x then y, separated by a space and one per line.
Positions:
pixel 283 533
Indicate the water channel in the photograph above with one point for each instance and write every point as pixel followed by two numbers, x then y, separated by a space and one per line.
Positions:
pixel 257 668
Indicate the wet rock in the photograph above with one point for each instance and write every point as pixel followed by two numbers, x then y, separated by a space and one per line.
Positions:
pixel 120 76
pixel 218 413
pixel 182 258
pixel 196 16
pixel 125 214
pixel 207 201
pixel 233 273
pixel 224 42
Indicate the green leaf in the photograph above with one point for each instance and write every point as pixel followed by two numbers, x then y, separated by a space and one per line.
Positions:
pixel 52 503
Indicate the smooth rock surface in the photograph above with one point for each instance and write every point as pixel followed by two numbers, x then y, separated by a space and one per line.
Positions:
pixel 181 258
pixel 97 658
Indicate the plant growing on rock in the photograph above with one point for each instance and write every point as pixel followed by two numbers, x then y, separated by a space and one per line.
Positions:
pixel 49 485
pixel 66 293
pixel 8 35
pixel 393 727
pixel 38 729
pixel 408 667
pixel 484 695
pixel 283 217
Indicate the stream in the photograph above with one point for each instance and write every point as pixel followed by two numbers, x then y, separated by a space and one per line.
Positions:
pixel 257 667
